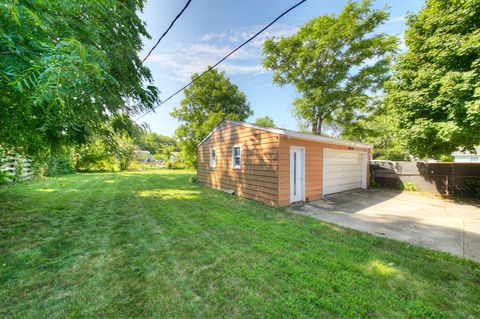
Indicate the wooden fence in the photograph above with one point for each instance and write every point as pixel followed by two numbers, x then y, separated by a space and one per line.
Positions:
pixel 15 167
pixel 441 178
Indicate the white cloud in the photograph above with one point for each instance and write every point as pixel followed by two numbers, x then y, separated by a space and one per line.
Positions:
pixel 181 61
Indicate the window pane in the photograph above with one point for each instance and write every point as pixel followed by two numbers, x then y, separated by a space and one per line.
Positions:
pixel 237 161
pixel 236 151
pixel 213 153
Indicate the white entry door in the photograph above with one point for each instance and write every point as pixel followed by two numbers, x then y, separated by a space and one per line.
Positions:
pixel 297 174
pixel 343 170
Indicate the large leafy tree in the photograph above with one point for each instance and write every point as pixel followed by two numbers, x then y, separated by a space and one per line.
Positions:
pixel 436 86
pixel 66 68
pixel 154 143
pixel 336 62
pixel 207 102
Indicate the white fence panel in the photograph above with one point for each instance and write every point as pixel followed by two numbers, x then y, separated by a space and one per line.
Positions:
pixel 16 165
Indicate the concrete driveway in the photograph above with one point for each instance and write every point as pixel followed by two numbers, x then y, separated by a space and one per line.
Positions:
pixel 419 219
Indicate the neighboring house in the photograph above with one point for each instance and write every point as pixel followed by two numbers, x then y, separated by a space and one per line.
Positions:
pixel 279 166
pixel 466 157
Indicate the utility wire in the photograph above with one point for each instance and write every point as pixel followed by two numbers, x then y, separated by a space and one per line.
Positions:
pixel 166 31
pixel 224 58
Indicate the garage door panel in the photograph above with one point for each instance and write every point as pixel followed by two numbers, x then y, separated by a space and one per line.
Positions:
pixel 341 188
pixel 333 180
pixel 342 170
pixel 342 154
pixel 342 161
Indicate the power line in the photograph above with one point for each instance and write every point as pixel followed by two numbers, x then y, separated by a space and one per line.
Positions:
pixel 224 58
pixel 168 29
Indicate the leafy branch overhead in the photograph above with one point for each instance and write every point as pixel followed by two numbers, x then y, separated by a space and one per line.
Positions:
pixel 67 67
pixel 336 62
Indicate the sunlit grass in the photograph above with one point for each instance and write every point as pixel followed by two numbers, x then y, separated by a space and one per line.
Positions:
pixel 151 244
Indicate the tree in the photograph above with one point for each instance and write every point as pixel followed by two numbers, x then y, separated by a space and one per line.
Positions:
pixel 207 102
pixel 66 68
pixel 154 143
pixel 335 62
pixel 265 121
pixel 435 91
pixel 380 130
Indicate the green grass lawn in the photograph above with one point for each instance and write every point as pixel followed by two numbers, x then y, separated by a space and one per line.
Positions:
pixel 151 244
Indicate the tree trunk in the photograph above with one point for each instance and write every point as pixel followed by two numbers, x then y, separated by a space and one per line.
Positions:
pixel 317 125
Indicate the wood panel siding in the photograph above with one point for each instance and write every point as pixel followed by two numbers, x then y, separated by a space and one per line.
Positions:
pixel 257 178
pixel 313 167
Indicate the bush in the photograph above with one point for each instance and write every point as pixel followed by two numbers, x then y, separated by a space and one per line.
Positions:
pixel 174 165
pixel 410 187
pixel 4 178
pixel 194 179
pixel 474 184
pixel 60 163
pixel 95 157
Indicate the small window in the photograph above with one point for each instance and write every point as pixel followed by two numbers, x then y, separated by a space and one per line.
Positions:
pixel 213 158
pixel 236 156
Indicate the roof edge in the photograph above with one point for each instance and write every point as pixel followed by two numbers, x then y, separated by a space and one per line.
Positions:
pixel 289 133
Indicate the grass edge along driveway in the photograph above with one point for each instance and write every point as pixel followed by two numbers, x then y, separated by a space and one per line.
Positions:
pixel 151 244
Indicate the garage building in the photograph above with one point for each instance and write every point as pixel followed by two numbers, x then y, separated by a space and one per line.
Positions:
pixel 279 166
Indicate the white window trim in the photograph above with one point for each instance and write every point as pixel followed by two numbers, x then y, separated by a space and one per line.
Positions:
pixel 211 158
pixel 233 157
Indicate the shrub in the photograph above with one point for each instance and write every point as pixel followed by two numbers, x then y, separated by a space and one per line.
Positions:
pixel 174 165
pixel 474 184
pixel 4 177
pixel 60 163
pixel 194 179
pixel 410 187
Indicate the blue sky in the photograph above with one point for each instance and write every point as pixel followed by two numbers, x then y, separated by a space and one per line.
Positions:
pixel 209 29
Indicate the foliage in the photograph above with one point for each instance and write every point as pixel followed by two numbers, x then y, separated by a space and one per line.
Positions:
pixel 67 67
pixel 436 85
pixel 410 187
pixel 125 152
pixel 60 162
pixel 194 180
pixel 446 158
pixel 159 157
pixel 380 130
pixel 174 164
pixel 265 121
pixel 474 184
pixel 95 156
pixel 335 63
pixel 207 102
pixel 108 245
pixel 154 143
pixel 168 150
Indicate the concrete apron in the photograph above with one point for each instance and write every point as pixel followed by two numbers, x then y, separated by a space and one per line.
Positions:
pixel 423 220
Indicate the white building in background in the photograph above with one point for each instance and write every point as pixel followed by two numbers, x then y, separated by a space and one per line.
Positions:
pixel 467 157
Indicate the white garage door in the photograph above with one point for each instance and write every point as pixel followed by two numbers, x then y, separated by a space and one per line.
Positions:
pixel 343 170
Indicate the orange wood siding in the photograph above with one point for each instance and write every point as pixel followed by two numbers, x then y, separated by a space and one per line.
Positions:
pixel 313 168
pixel 257 178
